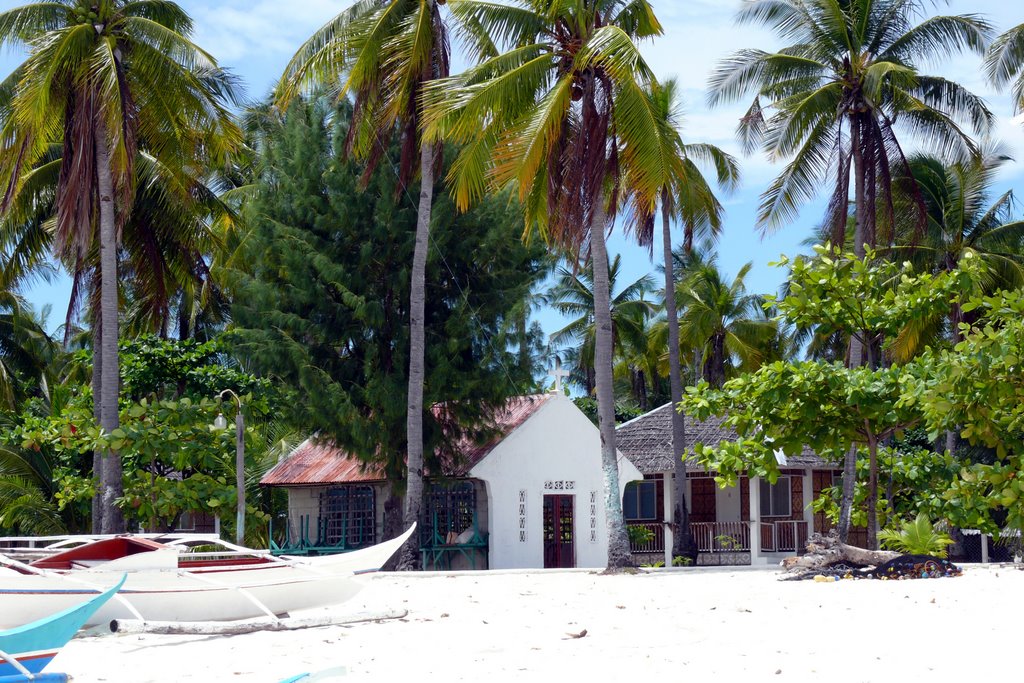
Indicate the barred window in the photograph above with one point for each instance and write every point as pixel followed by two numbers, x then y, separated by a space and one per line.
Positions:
pixel 347 516
pixel 450 510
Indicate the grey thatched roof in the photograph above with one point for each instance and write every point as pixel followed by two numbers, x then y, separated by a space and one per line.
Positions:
pixel 647 441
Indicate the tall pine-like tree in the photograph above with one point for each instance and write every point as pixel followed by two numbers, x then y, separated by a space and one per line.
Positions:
pixel 321 293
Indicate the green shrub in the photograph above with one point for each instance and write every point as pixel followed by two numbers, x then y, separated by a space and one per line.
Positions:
pixel 918 537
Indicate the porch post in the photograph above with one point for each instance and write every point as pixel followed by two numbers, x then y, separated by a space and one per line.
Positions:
pixel 984 547
pixel 668 488
pixel 755 519
pixel 808 503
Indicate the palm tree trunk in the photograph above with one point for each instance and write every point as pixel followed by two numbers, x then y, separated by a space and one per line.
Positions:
pixel 682 539
pixel 714 367
pixel 856 345
pixel 618 541
pixel 417 352
pixel 97 413
pixel 110 376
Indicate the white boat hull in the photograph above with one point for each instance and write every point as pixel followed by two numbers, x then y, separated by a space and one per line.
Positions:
pixel 222 593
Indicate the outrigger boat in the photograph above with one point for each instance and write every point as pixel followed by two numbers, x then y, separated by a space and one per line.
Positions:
pixel 27 649
pixel 178 580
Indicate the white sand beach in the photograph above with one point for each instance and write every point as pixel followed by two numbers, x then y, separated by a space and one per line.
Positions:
pixel 694 625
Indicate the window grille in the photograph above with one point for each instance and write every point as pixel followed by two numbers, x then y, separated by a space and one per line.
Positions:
pixel 348 516
pixel 450 510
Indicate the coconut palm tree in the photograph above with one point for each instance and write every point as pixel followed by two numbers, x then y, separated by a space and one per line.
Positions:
pixel 105 79
pixel 563 116
pixel 836 94
pixel 831 99
pixel 721 321
pixel 686 197
pixel 572 295
pixel 27 353
pixel 384 52
pixel 165 243
pixel 640 368
pixel 1004 63
pixel 963 217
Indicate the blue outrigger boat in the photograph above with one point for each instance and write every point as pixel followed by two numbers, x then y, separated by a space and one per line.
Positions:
pixel 26 650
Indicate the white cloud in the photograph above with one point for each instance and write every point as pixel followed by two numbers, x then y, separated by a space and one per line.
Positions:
pixel 236 30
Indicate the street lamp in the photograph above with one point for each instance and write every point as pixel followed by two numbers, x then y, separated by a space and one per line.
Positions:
pixel 221 423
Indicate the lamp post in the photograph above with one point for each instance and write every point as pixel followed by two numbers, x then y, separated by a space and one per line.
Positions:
pixel 221 423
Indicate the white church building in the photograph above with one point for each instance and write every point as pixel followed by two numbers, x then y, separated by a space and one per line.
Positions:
pixel 531 497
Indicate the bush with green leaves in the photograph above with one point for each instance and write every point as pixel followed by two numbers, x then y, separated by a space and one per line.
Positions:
pixel 917 537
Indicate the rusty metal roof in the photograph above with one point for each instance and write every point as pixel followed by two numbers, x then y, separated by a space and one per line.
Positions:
pixel 320 462
pixel 315 463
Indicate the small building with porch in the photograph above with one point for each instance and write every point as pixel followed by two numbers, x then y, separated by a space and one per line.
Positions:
pixel 532 496
pixel 754 522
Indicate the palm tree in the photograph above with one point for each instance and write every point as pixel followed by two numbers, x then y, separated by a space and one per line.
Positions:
pixel 562 116
pixel 385 52
pixel 964 218
pixel 1004 62
pixel 724 324
pixel 640 368
pixel 105 80
pixel 27 353
pixel 572 295
pixel 836 93
pixel 162 263
pixel 687 197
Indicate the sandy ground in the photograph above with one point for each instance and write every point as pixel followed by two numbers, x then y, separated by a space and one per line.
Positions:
pixel 685 625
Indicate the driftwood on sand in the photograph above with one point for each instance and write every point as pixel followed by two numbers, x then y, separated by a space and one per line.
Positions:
pixel 231 628
pixel 826 550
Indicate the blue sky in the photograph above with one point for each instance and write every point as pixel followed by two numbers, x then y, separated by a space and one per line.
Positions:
pixel 255 38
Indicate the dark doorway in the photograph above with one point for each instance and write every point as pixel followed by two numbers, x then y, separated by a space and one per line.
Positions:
pixel 559 550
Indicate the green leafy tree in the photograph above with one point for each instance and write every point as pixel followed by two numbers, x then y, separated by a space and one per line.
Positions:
pixel 175 462
pixel 563 116
pixel 830 407
pixel 977 389
pixel 106 80
pixel 321 283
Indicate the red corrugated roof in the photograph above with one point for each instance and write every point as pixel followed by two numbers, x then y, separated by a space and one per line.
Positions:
pixel 313 463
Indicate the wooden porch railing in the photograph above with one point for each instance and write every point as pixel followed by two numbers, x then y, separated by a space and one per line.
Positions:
pixel 721 537
pixel 657 542
pixel 784 536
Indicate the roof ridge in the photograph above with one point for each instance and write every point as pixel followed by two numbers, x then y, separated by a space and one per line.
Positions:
pixel 640 417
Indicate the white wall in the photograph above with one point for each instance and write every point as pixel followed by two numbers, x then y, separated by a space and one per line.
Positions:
pixel 557 444
pixel 727 504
